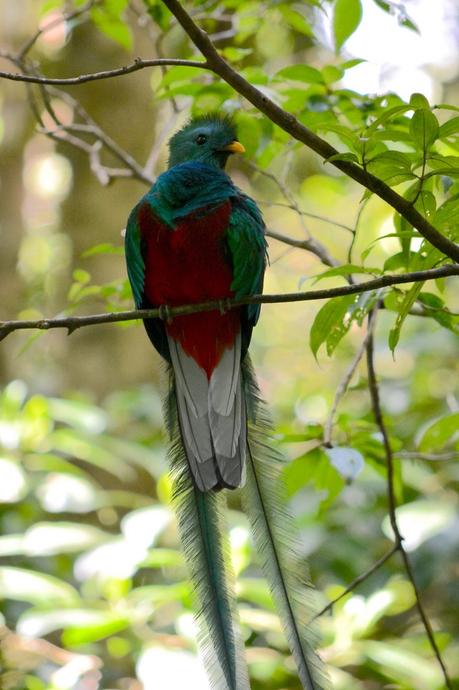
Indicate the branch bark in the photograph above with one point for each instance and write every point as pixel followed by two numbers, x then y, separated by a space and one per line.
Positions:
pixel 292 126
pixel 358 580
pixel 71 323
pixel 135 66
pixel 392 503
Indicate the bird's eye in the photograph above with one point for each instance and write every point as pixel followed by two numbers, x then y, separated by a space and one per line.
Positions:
pixel 201 139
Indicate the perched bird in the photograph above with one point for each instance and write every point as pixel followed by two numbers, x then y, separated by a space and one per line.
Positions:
pixel 192 238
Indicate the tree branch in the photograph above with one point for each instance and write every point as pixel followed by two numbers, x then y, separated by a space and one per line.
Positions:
pixel 292 126
pixel 358 580
pixel 135 66
pixel 377 411
pixel 71 323
pixel 310 245
pixel 343 386
pixel 66 17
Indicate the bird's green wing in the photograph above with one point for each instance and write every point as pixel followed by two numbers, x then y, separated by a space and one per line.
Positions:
pixel 247 246
pixel 134 259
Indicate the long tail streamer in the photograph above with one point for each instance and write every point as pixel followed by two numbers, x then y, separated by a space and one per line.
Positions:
pixel 272 527
pixel 203 536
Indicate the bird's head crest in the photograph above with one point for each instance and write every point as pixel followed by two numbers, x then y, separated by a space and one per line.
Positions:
pixel 208 139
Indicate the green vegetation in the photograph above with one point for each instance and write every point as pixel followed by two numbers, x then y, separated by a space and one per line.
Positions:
pixel 93 586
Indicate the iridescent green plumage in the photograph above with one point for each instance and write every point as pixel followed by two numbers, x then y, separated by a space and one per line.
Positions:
pixel 195 237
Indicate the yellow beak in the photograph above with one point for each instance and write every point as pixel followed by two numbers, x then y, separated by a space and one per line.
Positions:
pixel 234 147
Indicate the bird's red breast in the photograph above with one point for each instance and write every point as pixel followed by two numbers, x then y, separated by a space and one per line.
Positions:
pixel 188 265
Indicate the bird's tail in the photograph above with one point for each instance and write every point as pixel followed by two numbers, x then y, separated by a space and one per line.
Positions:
pixel 204 542
pixel 211 417
pixel 273 530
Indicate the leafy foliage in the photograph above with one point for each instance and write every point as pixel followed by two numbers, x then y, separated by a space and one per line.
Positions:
pixel 91 567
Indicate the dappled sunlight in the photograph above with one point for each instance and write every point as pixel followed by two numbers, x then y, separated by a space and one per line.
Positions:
pixel 161 667
pixel 93 580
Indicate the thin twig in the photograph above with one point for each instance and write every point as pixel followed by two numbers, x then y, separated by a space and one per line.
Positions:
pixel 358 580
pixel 138 64
pixel 392 502
pixel 343 386
pixel 66 17
pixel 354 232
pixel 307 214
pixel 310 245
pixel 92 128
pixel 158 144
pixel 286 193
pixel 429 457
pixel 71 323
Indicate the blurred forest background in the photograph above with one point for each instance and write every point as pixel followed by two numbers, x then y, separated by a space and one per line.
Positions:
pixel 93 588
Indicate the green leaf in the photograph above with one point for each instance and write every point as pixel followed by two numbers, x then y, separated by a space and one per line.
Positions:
pixel 108 21
pixel 447 215
pixel 109 625
pixel 397 10
pixel 408 301
pixel 345 134
pixel 256 591
pixel 314 467
pixel 435 307
pixel 78 414
pixel 419 101
pixel 163 558
pixel 332 73
pixel 26 585
pixel 329 323
pixel 236 54
pixel 347 15
pixel 179 74
pixel 296 20
pixel 160 594
pixel 250 132
pixel 349 64
pixel 404 231
pixel 441 432
pixel 160 14
pixel 426 204
pixel 351 157
pixel 449 128
pixel 50 538
pixel 346 270
pixel 49 5
pixel 81 276
pixel 391 166
pixel 406 668
pixel 447 106
pixel 431 300
pixel 103 248
pixel 388 115
pixel 93 624
pixel 303 73
pixel 424 129
pixel 402 259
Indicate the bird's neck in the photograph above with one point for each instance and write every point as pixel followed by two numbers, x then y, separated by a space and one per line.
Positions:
pixel 187 187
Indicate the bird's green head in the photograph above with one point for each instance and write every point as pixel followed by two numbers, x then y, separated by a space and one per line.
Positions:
pixel 209 139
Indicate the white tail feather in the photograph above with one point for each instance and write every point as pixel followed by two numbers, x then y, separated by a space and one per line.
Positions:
pixel 212 417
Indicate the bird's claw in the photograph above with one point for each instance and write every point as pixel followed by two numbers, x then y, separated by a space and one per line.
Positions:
pixel 224 305
pixel 165 313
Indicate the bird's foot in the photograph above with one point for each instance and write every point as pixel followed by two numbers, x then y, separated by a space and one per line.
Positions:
pixel 224 305
pixel 165 313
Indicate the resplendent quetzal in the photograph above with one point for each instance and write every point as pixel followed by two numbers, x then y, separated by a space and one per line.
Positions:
pixel 196 237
